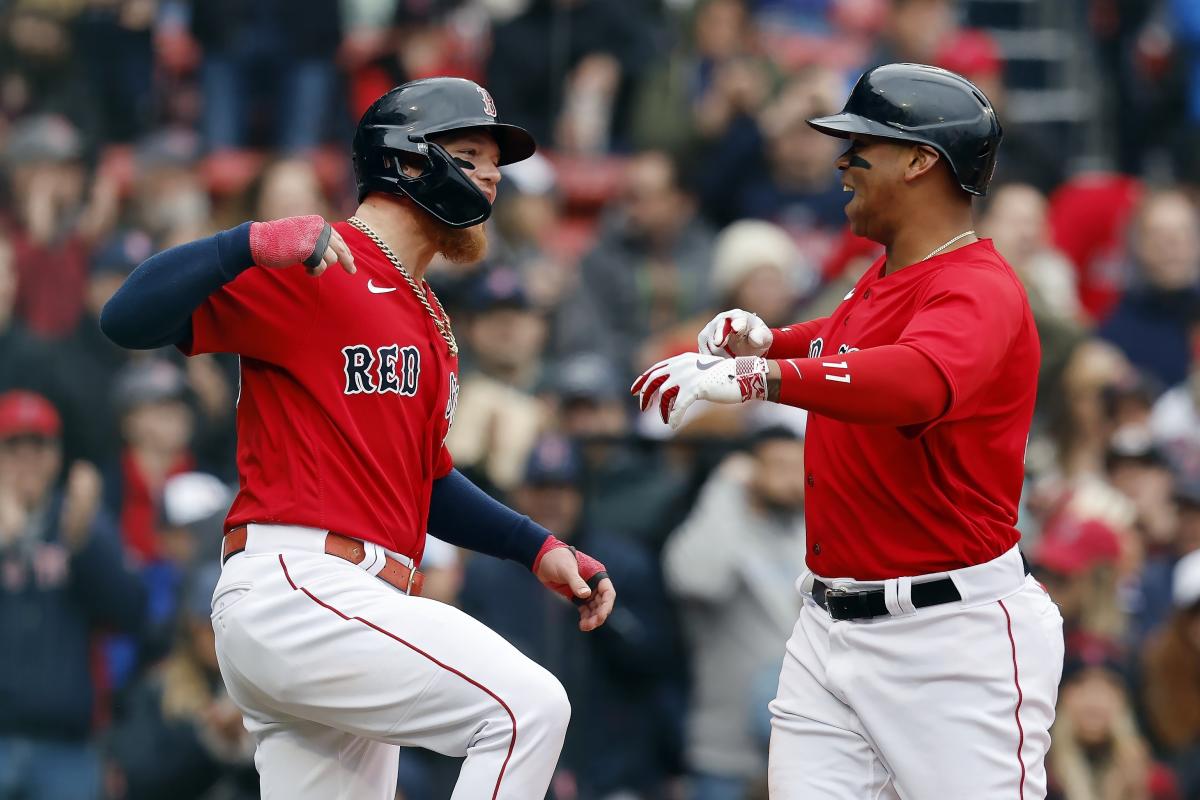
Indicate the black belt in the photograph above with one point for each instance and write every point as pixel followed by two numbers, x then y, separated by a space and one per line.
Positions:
pixel 843 604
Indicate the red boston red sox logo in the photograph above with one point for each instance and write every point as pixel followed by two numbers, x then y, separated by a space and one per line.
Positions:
pixel 489 105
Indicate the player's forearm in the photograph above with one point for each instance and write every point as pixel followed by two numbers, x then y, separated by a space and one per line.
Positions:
pixel 792 341
pixel 463 515
pixel 890 385
pixel 154 306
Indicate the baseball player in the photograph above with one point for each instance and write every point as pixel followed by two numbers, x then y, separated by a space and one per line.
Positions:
pixel 925 662
pixel 348 388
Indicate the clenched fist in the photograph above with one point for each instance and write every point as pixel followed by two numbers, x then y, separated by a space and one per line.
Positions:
pixel 735 333
pixel 307 240
pixel 578 577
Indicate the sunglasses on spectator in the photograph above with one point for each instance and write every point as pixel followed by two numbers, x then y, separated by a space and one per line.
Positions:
pixel 27 440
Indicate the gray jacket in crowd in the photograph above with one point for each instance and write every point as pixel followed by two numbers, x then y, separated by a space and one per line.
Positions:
pixel 733 568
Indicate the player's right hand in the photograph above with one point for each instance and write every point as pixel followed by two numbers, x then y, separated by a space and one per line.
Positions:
pixel 307 240
pixel 735 333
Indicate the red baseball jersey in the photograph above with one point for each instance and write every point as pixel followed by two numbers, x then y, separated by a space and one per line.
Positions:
pixel 886 502
pixel 347 394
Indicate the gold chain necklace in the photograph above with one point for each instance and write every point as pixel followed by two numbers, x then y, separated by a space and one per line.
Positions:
pixel 441 319
pixel 937 250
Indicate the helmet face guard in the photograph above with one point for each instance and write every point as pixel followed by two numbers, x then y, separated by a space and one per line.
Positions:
pixel 442 188
pixel 397 130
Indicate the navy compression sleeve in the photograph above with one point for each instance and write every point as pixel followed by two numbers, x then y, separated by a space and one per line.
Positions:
pixel 154 306
pixel 465 516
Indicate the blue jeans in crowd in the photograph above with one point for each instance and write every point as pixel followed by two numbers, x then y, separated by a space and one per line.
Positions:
pixel 717 787
pixel 39 769
pixel 299 95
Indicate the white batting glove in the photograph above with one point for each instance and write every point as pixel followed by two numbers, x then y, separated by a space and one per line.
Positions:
pixel 682 380
pixel 735 333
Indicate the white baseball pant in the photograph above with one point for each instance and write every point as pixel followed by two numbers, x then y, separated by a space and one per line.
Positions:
pixel 950 701
pixel 334 670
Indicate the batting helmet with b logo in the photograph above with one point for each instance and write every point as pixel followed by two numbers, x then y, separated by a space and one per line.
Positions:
pixel 397 130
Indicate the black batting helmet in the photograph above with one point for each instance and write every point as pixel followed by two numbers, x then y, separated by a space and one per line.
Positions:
pixel 926 105
pixel 397 128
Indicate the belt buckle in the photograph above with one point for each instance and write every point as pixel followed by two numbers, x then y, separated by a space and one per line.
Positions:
pixel 851 603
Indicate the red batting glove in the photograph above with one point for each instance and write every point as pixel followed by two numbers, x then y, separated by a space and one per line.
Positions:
pixel 292 240
pixel 591 570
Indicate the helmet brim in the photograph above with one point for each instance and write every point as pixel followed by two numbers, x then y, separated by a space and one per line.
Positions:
pixel 843 125
pixel 516 143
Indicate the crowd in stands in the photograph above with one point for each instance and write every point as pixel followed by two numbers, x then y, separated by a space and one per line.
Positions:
pixel 677 177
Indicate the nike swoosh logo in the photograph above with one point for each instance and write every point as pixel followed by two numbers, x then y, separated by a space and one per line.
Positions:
pixel 701 365
pixel 373 289
pixel 849 294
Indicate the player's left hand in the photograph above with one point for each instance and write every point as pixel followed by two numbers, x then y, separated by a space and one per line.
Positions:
pixel 682 380
pixel 578 577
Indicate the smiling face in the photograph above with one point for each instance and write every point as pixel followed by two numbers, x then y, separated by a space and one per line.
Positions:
pixel 476 153
pixel 877 171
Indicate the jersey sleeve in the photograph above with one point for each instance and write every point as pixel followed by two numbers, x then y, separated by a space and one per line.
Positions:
pixel 262 314
pixel 966 325
pixel 793 341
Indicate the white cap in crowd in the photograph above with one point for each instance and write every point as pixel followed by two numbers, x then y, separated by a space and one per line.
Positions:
pixel 749 244
pixel 1185 587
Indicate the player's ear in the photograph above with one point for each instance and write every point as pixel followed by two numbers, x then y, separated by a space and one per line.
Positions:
pixel 921 160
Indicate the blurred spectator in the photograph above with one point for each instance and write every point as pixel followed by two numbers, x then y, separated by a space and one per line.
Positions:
pixel 1077 560
pixel 564 69
pixel 1079 418
pixel 27 362
pixel 915 32
pixel 156 425
pixel 1015 220
pixel 92 359
pixel 648 271
pixel 169 202
pixel 38 68
pixel 1153 322
pixel 756 266
pixel 179 735
pixel 115 49
pixel 1171 678
pixel 711 77
pixel 1139 470
pixel 732 565
pixel 1098 753
pixel 629 488
pixel 618 680
pixel 62 580
pixel 1089 215
pixel 58 216
pixel 528 219
pixel 1175 420
pixel 289 188
pixel 267 65
pixel 498 418
pixel 189 526
pixel 774 166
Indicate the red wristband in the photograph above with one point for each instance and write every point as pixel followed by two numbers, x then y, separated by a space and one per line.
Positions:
pixel 552 543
